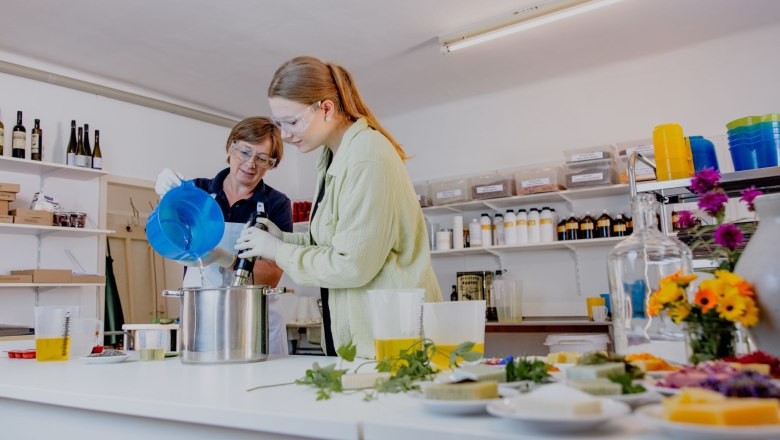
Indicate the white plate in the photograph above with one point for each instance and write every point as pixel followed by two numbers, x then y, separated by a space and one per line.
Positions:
pixel 105 359
pixel 459 407
pixel 664 391
pixel 556 423
pixel 689 431
pixel 636 399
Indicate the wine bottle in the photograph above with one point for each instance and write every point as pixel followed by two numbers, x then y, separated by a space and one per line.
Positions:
pixel 81 159
pixel 2 137
pixel 36 143
pixel 87 149
pixel 19 137
pixel 97 155
pixel 70 158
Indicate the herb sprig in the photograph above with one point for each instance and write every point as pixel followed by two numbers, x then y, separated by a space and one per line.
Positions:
pixel 522 368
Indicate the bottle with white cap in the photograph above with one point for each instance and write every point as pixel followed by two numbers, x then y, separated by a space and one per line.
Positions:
pixel 475 234
pixel 499 238
pixel 546 226
pixel 457 232
pixel 486 225
pixel 534 232
pixel 510 227
pixel 522 227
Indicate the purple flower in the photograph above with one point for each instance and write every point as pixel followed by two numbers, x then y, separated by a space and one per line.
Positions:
pixel 705 180
pixel 729 236
pixel 713 202
pixel 748 195
pixel 686 220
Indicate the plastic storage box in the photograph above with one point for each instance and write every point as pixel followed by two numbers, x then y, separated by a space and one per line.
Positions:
pixel 490 186
pixel 624 151
pixel 591 173
pixel 590 153
pixel 539 180
pixel 423 191
pixel 450 191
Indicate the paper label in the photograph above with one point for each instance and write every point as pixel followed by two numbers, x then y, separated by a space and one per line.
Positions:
pixel 522 223
pixel 603 223
pixel 619 228
pixel 35 144
pixel 531 222
pixel 2 136
pixel 586 226
pixel 81 160
pixel 644 150
pixel 489 189
pixel 587 156
pixel 18 140
pixel 572 226
pixel 546 221
pixel 448 194
pixel 535 182
pixel 587 177
pixel 97 163
pixel 71 159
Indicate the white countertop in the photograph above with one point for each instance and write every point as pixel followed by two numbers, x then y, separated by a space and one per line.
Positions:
pixel 217 396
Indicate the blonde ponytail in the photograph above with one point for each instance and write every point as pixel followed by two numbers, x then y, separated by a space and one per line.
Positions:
pixel 308 80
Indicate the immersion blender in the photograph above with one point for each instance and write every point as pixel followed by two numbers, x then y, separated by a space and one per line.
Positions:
pixel 243 268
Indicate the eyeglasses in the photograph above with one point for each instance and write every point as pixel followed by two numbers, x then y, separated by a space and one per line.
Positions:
pixel 245 154
pixel 300 122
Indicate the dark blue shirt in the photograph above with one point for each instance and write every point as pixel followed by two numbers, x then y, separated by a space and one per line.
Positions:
pixel 277 205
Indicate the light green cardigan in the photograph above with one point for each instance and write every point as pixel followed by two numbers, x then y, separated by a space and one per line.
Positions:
pixel 370 234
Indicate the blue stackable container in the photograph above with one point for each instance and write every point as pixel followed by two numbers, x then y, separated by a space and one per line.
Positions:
pixel 186 224
pixel 769 152
pixel 703 154
pixel 744 157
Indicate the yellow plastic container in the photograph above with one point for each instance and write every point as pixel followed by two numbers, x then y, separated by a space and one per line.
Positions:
pixel 673 156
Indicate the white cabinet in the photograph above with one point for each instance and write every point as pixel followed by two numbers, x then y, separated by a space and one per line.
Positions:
pixel 52 247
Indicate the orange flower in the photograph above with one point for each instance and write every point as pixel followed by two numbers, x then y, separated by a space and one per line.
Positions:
pixel 745 289
pixel 681 279
pixel 706 299
pixel 654 307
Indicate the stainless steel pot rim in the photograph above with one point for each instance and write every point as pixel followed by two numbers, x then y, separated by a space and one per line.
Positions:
pixel 266 290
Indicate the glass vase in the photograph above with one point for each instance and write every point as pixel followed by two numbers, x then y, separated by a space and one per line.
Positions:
pixel 709 342
pixel 636 266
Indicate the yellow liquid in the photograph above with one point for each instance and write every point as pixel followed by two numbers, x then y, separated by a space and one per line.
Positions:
pixel 390 348
pixel 442 356
pixel 52 349
pixel 152 354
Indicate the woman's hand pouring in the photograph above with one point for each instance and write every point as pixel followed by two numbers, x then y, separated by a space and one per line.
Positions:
pixel 254 242
pixel 166 181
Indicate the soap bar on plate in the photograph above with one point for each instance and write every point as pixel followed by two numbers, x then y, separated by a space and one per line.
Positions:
pixel 595 371
pixel 563 357
pixel 480 373
pixel 597 387
pixel 557 399
pixel 705 407
pixel 461 391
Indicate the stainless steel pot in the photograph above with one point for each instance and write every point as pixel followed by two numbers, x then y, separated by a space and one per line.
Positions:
pixel 225 324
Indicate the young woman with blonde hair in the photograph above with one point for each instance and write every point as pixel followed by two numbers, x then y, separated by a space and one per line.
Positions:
pixel 367 229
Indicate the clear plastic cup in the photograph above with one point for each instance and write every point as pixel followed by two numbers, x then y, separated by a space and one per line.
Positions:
pixel 451 323
pixel 152 344
pixel 508 296
pixel 53 331
pixel 86 334
pixel 396 319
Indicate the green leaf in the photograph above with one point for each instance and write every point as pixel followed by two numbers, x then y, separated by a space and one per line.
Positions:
pixel 625 380
pixel 347 352
pixel 526 369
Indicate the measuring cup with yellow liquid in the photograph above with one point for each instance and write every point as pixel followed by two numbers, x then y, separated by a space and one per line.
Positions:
pixel 396 319
pixel 53 332
pixel 451 323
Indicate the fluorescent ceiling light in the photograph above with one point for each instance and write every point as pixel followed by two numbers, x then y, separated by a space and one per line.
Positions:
pixel 517 21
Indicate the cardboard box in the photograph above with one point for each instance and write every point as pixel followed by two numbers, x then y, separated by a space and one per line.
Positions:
pixel 4 207
pixel 6 219
pixel 87 278
pixel 9 187
pixel 16 279
pixel 46 275
pixel 7 196
pixel 30 217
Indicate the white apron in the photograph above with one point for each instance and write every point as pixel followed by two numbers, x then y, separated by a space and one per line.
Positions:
pixel 215 276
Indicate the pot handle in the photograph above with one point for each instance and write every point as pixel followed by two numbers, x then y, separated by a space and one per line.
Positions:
pixel 177 293
pixel 278 291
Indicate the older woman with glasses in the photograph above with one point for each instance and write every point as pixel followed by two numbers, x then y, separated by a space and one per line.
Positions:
pixel 367 228
pixel 253 147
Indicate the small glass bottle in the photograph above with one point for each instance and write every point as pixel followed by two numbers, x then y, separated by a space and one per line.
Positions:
pixel 572 227
pixel 587 226
pixel 454 294
pixel 636 266
pixel 619 226
pixel 604 225
pixel 561 229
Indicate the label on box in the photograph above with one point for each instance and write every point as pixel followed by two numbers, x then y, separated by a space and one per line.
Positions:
pixel 580 157
pixel 7 196
pixel 6 219
pixel 587 177
pixel 489 189
pixel 449 194
pixel 535 182
pixel 644 150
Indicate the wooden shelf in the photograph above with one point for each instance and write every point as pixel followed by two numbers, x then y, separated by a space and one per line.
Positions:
pixel 13 228
pixel 6 285
pixel 16 165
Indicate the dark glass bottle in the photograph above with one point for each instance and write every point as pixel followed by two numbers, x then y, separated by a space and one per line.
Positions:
pixel 561 230
pixel 604 225
pixel 19 138
pixel 70 156
pixel 572 228
pixel 36 144
pixel 2 137
pixel 629 225
pixel 97 155
pixel 587 225
pixel 454 294
pixel 81 158
pixel 619 226
pixel 87 147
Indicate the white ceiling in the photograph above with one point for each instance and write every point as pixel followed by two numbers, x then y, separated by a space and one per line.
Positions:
pixel 220 55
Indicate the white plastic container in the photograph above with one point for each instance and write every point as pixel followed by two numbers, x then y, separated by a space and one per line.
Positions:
pixel 546 225
pixel 534 230
pixel 499 239
pixel 444 240
pixel 475 233
pixel 522 227
pixel 486 226
pixel 578 343
pixel 457 232
pixel 510 227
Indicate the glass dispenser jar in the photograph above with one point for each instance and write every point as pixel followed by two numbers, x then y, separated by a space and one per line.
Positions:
pixel 636 265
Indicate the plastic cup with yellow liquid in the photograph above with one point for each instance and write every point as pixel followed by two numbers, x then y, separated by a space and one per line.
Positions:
pixel 53 332
pixel 673 157
pixel 451 323
pixel 396 320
